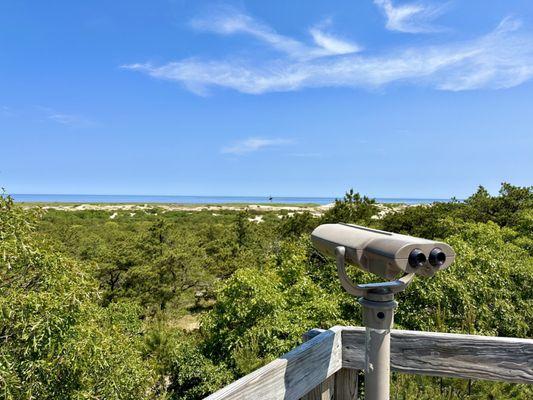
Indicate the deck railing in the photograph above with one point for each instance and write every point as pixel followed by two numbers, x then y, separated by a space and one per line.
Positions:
pixel 326 365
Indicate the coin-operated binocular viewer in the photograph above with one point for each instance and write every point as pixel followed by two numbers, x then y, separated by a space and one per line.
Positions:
pixel 393 257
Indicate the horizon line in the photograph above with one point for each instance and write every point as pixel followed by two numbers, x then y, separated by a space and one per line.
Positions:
pixel 224 196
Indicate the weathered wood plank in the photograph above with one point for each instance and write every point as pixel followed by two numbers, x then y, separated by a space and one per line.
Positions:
pixel 293 375
pixel 316 393
pixel 353 347
pixel 343 385
pixel 310 334
pixel 445 354
pixel 324 391
pixel 346 384
pixel 318 368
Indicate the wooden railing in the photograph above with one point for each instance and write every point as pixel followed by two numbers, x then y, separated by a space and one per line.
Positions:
pixel 326 365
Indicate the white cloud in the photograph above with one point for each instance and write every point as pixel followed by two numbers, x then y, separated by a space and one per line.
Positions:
pixel 502 58
pixel 6 111
pixel 232 22
pixel 411 17
pixel 332 43
pixel 64 119
pixel 47 113
pixel 71 120
pixel 253 144
pixel 228 21
pixel 306 155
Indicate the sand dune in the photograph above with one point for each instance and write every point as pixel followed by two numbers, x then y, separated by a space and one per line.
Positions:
pixel 213 208
pixel 180 207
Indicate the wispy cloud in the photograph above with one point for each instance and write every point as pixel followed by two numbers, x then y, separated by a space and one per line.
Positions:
pixel 253 144
pixel 70 120
pixel 330 42
pixel 43 113
pixel 502 58
pixel 306 155
pixel 411 17
pixel 6 111
pixel 66 119
pixel 228 21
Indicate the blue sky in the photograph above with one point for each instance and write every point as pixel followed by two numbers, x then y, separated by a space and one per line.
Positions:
pixel 393 98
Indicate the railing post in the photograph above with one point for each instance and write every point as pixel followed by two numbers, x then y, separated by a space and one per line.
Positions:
pixel 346 384
pixel 324 391
pixel 340 386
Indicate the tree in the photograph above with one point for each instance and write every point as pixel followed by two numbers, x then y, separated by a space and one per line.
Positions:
pixel 297 224
pixel 56 341
pixel 260 315
pixel 502 209
pixel 193 376
pixel 425 221
pixel 488 289
pixel 352 208
pixel 241 228
pixel 162 280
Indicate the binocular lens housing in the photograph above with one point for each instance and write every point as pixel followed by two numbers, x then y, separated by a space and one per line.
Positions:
pixel 384 254
pixel 437 257
pixel 417 258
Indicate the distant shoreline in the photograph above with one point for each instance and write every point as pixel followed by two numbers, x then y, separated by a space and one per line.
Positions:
pixel 316 209
pixel 81 199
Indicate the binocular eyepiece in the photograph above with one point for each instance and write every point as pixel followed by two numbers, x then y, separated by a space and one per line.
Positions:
pixel 417 258
pixel 436 258
pixel 385 254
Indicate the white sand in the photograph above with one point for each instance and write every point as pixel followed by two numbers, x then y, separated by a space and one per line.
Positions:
pixel 316 211
pixel 178 207
pixel 257 218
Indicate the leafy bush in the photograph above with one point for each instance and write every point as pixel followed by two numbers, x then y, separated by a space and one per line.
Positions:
pixel 194 376
pixel 502 209
pixel 488 290
pixel 55 340
pixel 510 208
pixel 297 224
pixel 261 314
pixel 183 371
pixel 91 308
pixel 426 221
pixel 353 208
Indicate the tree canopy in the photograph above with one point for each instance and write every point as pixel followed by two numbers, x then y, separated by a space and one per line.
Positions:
pixel 96 306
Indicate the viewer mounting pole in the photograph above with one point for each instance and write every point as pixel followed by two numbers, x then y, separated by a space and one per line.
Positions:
pixel 378 304
pixel 387 255
pixel 378 318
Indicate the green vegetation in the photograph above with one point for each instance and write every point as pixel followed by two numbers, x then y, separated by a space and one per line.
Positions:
pixel 99 304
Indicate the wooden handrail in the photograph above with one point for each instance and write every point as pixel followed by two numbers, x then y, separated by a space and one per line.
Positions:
pixel 292 375
pixel 342 348
pixel 447 354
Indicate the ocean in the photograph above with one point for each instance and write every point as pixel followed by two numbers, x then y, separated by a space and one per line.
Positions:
pixel 147 199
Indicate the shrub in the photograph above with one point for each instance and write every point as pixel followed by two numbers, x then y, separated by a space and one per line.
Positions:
pixel 55 339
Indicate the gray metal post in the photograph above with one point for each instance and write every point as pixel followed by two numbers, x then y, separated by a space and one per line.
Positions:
pixel 378 317
pixel 378 304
